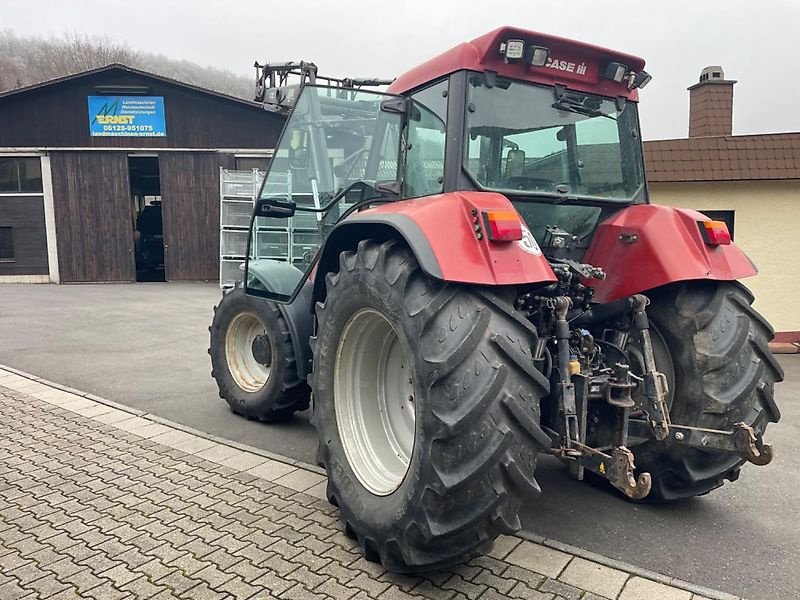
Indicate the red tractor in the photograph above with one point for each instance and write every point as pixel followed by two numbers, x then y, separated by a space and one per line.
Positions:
pixel 464 273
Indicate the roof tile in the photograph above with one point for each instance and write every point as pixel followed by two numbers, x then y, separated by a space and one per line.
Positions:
pixel 724 158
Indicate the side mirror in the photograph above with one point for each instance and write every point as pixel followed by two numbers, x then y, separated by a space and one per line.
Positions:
pixel 268 207
pixel 298 150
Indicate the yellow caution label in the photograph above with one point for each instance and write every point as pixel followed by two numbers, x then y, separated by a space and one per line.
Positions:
pixel 603 468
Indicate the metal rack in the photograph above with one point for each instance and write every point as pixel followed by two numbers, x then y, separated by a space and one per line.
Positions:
pixel 292 240
pixel 237 192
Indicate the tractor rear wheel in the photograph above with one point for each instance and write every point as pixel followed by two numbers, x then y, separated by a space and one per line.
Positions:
pixel 426 403
pixel 252 359
pixel 722 373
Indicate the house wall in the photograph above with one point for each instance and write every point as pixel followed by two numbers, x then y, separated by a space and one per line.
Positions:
pixel 766 228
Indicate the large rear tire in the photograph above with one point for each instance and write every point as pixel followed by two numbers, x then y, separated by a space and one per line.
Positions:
pixel 252 359
pixel 724 373
pixel 426 403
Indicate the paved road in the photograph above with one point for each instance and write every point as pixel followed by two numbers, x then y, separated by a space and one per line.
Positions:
pixel 145 346
pixel 114 506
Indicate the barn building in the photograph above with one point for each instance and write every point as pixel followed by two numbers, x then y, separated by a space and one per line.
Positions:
pixel 112 175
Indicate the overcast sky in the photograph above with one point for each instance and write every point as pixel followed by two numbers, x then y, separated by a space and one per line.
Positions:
pixel 755 42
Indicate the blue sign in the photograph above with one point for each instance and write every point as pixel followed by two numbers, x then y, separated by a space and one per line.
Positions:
pixel 127 116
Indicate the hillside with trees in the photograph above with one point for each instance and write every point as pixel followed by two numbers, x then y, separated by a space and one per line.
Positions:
pixel 25 60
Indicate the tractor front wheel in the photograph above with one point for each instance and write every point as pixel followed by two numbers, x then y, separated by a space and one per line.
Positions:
pixel 426 403
pixel 252 359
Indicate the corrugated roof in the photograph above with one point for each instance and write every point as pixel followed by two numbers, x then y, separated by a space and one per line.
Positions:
pixel 724 158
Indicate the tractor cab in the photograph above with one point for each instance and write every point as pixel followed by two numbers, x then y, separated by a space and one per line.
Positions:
pixel 550 124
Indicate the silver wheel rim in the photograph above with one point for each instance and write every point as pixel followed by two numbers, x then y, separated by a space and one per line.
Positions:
pixel 247 372
pixel 373 393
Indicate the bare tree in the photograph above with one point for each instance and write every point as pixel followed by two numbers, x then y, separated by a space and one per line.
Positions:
pixel 28 60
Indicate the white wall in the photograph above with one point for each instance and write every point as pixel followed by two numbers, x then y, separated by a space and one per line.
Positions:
pixel 766 227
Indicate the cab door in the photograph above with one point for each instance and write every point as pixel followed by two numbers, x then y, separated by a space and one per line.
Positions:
pixel 339 150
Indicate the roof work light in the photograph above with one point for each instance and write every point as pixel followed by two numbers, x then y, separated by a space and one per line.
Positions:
pixel 641 79
pixel 512 49
pixel 536 56
pixel 615 71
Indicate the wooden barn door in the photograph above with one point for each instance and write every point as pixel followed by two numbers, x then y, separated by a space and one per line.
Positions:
pixel 190 206
pixel 94 220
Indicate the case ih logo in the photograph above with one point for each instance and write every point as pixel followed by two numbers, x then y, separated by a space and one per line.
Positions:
pixel 566 66
pixel 528 242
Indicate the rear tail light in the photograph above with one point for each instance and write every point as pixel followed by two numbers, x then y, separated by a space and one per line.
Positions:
pixel 502 225
pixel 715 233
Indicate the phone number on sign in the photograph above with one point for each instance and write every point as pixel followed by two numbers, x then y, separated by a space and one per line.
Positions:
pixel 127 128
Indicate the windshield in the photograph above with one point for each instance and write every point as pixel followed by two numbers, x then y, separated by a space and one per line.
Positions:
pixel 525 138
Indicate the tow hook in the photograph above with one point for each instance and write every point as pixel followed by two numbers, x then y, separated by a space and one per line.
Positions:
pixel 621 475
pixel 751 446
pixel 618 468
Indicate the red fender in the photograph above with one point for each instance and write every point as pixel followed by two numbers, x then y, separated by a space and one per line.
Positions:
pixel 444 226
pixel 646 246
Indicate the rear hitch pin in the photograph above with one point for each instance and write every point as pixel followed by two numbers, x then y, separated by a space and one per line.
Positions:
pixel 752 446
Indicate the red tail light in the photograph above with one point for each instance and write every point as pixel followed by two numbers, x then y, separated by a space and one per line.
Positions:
pixel 715 233
pixel 502 225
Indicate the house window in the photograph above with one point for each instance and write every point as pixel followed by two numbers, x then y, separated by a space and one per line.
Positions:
pixel 726 216
pixel 248 163
pixel 20 175
pixel 6 245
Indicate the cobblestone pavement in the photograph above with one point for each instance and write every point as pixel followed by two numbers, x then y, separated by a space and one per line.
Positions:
pixel 97 502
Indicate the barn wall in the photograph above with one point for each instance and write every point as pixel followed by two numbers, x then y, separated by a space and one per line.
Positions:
pixel 25 216
pixel 57 115
pixel 94 221
pixel 190 205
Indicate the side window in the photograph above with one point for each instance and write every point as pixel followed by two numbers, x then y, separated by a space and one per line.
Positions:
pixel 599 154
pixel 248 163
pixel 427 134
pixel 20 174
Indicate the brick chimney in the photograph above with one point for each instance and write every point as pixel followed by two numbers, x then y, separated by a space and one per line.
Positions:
pixel 711 104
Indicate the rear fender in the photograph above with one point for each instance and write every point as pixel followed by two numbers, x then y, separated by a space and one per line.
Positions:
pixel 646 246
pixel 445 232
